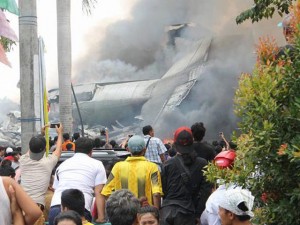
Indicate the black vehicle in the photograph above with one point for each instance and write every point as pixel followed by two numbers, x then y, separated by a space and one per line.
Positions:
pixel 109 157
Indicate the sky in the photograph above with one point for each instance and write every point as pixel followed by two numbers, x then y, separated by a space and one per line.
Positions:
pixel 105 11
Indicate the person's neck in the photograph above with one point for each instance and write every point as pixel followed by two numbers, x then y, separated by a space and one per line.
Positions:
pixel 137 155
pixel 237 222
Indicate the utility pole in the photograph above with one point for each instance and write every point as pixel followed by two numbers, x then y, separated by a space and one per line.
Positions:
pixel 28 49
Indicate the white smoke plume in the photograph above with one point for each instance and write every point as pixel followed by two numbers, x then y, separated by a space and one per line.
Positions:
pixel 131 49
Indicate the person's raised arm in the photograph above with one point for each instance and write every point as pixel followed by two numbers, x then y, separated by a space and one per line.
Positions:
pixel 59 131
pixel 226 142
pixel 43 130
pixel 31 210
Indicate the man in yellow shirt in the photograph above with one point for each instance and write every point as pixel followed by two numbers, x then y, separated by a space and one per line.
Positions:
pixel 136 174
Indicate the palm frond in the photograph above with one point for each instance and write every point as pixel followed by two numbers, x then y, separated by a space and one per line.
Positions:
pixel 88 5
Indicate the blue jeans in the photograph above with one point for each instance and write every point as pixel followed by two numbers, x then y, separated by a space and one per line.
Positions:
pixel 56 209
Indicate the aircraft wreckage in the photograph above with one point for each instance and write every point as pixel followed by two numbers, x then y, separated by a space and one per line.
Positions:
pixel 124 103
pixel 125 107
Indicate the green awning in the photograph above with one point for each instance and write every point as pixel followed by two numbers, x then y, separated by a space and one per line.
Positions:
pixel 10 5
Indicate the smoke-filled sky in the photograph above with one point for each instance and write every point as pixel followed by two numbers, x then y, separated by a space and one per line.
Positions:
pixel 131 49
pixel 123 39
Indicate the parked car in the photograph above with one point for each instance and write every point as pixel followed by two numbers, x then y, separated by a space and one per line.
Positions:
pixel 107 156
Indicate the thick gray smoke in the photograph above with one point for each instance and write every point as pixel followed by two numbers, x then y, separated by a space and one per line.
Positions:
pixel 6 105
pixel 132 49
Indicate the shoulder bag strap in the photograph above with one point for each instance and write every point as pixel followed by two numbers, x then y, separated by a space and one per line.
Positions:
pixel 148 143
pixel 186 170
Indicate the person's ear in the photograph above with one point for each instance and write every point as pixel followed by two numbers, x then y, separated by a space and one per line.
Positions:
pixel 231 215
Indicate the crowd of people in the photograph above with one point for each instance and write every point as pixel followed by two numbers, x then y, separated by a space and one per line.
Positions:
pixel 159 183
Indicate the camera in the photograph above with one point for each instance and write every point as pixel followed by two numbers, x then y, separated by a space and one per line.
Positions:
pixel 52 125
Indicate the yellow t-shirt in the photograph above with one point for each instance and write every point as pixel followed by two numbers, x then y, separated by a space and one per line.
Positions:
pixel 136 174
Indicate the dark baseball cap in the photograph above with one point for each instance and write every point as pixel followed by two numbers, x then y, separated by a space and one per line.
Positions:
pixel 37 146
pixel 183 140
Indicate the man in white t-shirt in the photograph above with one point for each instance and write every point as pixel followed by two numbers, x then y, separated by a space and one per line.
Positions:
pixel 80 172
pixel 36 168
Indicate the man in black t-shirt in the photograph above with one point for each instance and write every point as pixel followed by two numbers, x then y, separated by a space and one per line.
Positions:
pixel 203 149
pixel 184 185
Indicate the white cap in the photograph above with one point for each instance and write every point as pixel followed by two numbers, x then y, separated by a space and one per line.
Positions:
pixel 232 198
pixel 9 150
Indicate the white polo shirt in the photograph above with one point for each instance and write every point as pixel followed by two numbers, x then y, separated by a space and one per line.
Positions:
pixel 79 172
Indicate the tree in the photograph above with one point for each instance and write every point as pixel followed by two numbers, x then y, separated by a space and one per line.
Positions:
pixel 64 57
pixel 268 156
pixel 264 9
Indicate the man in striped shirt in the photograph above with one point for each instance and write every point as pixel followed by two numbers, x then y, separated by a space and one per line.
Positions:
pixel 155 149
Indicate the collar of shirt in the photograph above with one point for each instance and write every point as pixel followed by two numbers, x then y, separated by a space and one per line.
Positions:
pixel 80 154
pixel 136 158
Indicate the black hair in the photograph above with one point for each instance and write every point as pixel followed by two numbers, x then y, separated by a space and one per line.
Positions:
pixel 69 147
pixel 113 143
pixel 147 129
pixel 6 162
pixel 66 136
pixel 76 136
pixel 7 171
pixel 198 131
pixel 97 143
pixel 68 215
pixel 73 199
pixel 14 153
pixel 37 144
pixel 218 149
pixel 232 145
pixel 149 209
pixel 84 145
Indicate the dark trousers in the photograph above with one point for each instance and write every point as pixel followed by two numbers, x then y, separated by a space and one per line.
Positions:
pixel 55 210
pixel 172 215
